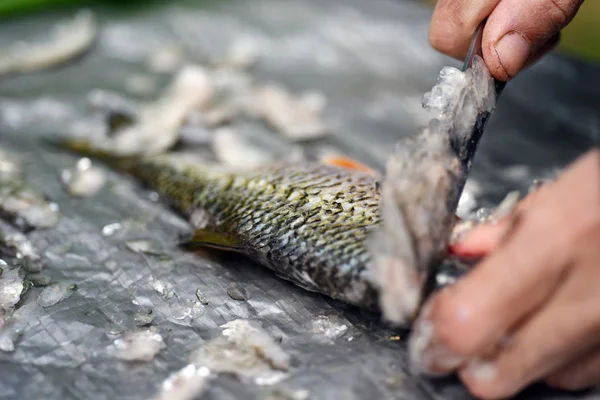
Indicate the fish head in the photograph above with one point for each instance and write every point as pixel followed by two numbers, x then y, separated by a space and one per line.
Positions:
pixel 418 205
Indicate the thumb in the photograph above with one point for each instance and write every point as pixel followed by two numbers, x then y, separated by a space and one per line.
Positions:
pixel 519 31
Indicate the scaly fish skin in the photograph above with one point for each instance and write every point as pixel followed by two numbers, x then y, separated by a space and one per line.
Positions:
pixel 308 222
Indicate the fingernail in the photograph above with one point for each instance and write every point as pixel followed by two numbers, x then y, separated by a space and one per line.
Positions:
pixel 426 355
pixel 481 370
pixel 513 51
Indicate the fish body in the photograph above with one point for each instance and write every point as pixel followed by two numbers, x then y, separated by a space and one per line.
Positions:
pixel 308 222
pixel 311 223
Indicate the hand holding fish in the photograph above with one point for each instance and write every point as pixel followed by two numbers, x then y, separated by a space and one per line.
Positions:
pixel 529 311
pixel 517 33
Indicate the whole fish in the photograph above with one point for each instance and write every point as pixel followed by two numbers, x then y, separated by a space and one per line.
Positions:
pixel 309 222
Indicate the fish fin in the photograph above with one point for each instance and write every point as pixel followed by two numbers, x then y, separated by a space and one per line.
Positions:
pixel 348 163
pixel 208 238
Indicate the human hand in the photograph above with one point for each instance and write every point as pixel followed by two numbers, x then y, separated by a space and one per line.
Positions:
pixel 530 311
pixel 517 33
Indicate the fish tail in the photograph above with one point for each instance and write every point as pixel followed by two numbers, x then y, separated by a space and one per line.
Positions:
pixel 169 174
pixel 84 147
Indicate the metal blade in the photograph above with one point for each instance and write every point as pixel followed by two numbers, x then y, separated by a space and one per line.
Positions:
pixel 424 180
pixel 466 150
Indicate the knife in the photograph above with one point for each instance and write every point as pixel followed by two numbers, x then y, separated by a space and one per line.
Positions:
pixel 475 49
pixel 424 179
pixel 466 148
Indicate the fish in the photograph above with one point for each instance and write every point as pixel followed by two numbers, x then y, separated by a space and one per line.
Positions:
pixel 309 222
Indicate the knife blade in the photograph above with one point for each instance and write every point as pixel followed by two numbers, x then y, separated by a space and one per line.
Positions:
pixel 424 179
pixel 467 149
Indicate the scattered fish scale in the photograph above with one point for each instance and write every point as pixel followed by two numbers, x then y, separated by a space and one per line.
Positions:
pixel 189 383
pixel 331 327
pixel 142 345
pixel 237 293
pixel 9 334
pixel 245 350
pixel 11 288
pixel 17 251
pixel 233 150
pixel 19 204
pixel 296 118
pixel 67 40
pixel 201 297
pixel 84 180
pixel 55 293
pixel 27 209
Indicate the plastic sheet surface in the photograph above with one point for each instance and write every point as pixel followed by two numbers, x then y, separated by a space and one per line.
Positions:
pixel 372 61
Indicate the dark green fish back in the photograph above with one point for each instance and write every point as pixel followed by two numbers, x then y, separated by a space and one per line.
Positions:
pixel 308 222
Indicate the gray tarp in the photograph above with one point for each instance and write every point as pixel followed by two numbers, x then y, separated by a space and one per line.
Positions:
pixel 372 61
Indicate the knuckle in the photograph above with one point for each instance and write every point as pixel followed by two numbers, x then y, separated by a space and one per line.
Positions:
pixel 440 41
pixel 450 28
pixel 452 12
pixel 560 12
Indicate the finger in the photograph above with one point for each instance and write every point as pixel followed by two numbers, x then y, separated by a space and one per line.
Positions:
pixel 481 240
pixel 486 237
pixel 545 49
pixel 580 374
pixel 454 22
pixel 566 326
pixel 513 281
pixel 508 285
pixel 561 331
pixel 517 30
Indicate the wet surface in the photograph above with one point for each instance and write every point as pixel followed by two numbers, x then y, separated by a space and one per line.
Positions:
pixel 372 62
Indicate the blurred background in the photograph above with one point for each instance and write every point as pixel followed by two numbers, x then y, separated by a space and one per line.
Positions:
pixel 580 39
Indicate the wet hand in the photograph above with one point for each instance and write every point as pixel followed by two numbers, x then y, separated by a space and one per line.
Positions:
pixel 517 33
pixel 530 310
